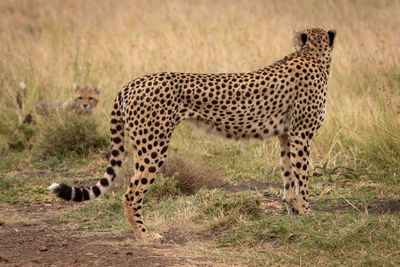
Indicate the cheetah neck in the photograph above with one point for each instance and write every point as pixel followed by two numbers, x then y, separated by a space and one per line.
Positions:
pixel 322 60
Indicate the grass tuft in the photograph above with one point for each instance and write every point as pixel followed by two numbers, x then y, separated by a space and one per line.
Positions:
pixel 73 136
pixel 223 210
pixel 19 139
pixel 190 175
pixel 105 214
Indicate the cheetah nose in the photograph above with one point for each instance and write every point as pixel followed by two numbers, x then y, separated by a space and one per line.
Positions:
pixel 85 106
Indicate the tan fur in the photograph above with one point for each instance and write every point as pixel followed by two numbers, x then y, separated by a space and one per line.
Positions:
pixel 286 100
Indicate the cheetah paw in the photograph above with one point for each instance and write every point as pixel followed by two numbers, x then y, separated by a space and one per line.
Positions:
pixel 150 238
pixel 294 207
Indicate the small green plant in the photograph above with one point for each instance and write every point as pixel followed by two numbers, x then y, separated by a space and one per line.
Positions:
pixel 105 215
pixel 73 135
pixel 19 139
pixel 230 204
pixel 21 192
pixel 224 210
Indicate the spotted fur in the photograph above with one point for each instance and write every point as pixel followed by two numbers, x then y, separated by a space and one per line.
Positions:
pixel 286 100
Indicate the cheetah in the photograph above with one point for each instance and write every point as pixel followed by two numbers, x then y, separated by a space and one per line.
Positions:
pixel 286 100
pixel 84 100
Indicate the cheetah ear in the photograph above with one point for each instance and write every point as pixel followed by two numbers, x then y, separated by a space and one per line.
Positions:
pixel 97 90
pixel 303 37
pixel 300 39
pixel 332 35
pixel 74 87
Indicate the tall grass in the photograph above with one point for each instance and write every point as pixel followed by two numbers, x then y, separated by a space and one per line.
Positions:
pixel 51 44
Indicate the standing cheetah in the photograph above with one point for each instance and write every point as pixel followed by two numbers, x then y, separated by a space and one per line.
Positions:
pixel 286 99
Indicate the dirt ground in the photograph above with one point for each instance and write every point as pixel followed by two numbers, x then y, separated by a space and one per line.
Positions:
pixel 53 244
pixel 30 238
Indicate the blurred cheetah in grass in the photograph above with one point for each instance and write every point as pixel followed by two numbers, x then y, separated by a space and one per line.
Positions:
pixel 84 100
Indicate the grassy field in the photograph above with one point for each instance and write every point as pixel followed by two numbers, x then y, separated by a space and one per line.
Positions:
pixel 217 202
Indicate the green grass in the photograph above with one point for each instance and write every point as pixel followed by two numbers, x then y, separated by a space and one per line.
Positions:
pixel 19 191
pixel 163 188
pixel 353 238
pixel 104 215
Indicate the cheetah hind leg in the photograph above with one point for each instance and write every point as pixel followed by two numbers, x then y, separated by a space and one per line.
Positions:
pixel 132 202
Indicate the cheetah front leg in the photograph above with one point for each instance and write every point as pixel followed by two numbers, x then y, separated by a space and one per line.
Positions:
pixel 299 156
pixel 289 182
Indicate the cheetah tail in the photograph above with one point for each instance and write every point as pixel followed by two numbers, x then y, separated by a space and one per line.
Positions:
pixel 78 194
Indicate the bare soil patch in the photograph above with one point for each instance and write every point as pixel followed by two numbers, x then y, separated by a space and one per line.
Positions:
pixel 379 207
pixel 30 238
pixel 173 236
pixel 41 246
pixel 384 207
pixel 34 213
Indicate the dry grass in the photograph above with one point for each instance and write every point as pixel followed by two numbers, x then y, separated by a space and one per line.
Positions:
pixel 190 175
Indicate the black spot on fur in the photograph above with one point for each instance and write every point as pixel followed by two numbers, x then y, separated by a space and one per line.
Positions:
pixel 110 171
pixel 164 150
pixel 86 195
pixel 63 191
pixel 77 194
pixel 96 191
pixel 104 182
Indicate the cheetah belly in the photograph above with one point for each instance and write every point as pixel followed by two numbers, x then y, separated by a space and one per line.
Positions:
pixel 243 127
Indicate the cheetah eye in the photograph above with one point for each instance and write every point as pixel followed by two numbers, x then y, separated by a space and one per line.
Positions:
pixel 80 98
pixel 90 98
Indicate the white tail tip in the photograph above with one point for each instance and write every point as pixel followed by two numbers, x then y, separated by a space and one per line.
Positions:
pixel 52 187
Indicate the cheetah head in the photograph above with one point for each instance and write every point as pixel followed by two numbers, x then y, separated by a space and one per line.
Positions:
pixel 85 98
pixel 316 40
